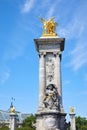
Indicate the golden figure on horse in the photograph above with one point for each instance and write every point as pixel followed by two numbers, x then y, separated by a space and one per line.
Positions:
pixel 49 27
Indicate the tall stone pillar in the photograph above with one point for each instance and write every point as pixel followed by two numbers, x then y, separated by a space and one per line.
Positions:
pixel 12 118
pixel 50 114
pixel 72 119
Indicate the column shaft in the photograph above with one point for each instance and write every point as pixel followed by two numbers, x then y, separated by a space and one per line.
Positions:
pixel 12 122
pixel 72 122
pixel 58 77
pixel 41 79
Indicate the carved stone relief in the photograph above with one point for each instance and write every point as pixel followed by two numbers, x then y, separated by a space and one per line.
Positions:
pixel 51 97
pixel 51 123
pixel 50 69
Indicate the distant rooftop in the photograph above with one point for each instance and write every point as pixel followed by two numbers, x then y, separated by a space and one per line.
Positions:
pixel 5 116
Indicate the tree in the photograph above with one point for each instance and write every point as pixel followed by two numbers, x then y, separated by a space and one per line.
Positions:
pixel 28 122
pixel 4 128
pixel 83 127
pixel 81 123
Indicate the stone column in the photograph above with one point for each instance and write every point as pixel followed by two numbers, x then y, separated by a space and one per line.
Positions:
pixel 50 118
pixel 12 117
pixel 41 79
pixel 12 121
pixel 72 119
pixel 58 76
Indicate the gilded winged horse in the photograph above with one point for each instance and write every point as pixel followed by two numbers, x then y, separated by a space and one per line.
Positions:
pixel 49 26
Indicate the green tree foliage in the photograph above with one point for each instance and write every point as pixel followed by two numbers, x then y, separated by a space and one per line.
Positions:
pixel 29 120
pixel 81 123
pixel 27 125
pixel 83 127
pixel 4 128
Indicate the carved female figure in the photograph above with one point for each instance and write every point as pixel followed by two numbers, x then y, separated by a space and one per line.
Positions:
pixel 51 97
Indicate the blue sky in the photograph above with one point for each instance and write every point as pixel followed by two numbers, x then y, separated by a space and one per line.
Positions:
pixel 19 62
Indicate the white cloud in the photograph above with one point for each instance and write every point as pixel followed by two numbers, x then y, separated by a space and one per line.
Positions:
pixel 64 32
pixel 75 30
pixel 4 76
pixel 76 23
pixel 78 56
pixel 27 6
pixel 52 9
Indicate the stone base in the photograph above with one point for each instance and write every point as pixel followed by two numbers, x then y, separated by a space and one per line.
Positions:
pixel 50 120
pixel 47 36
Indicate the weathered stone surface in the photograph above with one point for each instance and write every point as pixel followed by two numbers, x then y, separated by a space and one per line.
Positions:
pixel 72 121
pixel 50 114
pixel 12 121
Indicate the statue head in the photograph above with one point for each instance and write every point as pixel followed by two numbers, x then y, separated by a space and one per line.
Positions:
pixel 50 86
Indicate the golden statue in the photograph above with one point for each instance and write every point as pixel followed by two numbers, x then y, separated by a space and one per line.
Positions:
pixel 49 27
pixel 12 110
pixel 71 109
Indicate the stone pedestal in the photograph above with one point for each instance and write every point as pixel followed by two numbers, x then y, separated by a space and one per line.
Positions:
pixel 50 120
pixel 50 113
pixel 12 121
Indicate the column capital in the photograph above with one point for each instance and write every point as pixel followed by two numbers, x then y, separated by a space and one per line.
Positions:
pixel 57 53
pixel 42 54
